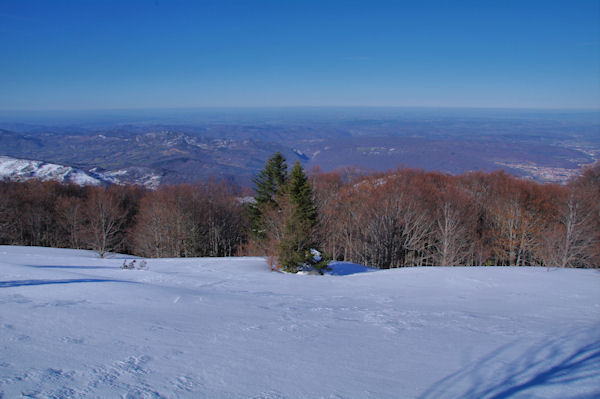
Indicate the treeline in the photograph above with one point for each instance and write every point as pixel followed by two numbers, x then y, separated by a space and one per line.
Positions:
pixel 396 219
pixel 205 219
pixel 409 217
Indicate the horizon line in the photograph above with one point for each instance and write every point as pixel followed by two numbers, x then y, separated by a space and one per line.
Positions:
pixel 283 107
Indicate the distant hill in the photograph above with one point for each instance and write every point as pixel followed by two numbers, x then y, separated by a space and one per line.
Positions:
pixel 24 169
pixel 15 169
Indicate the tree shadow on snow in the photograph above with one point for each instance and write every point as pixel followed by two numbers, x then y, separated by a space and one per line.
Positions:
pixel 21 283
pixel 550 365
pixel 71 267
pixel 347 268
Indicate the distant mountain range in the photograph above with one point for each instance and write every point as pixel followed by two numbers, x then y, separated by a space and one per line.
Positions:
pixel 541 146
pixel 165 157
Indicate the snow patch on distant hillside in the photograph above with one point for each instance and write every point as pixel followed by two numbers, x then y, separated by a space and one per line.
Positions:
pixel 133 175
pixel 25 169
pixel 15 169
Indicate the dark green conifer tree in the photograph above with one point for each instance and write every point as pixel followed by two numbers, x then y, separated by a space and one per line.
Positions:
pixel 296 250
pixel 269 185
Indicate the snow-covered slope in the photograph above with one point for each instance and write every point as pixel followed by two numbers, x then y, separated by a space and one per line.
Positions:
pixel 25 169
pixel 133 175
pixel 73 325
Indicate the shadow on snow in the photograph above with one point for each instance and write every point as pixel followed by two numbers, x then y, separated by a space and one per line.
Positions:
pixel 71 267
pixel 548 364
pixel 22 283
pixel 347 268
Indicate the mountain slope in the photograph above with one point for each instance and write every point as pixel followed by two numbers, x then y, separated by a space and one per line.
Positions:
pixel 24 169
pixel 15 169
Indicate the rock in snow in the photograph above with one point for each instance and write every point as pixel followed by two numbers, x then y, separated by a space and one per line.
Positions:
pixel 73 325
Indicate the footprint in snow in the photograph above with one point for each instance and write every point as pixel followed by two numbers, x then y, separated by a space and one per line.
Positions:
pixel 185 383
pixel 134 365
pixel 72 340
pixel 269 395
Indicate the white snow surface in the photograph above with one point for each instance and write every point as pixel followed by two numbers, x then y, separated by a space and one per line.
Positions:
pixel 24 169
pixel 137 175
pixel 16 169
pixel 73 325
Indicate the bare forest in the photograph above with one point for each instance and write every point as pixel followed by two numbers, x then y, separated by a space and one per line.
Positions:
pixel 400 218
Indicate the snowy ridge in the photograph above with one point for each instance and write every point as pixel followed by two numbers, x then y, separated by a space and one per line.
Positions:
pixel 15 169
pixel 24 169
pixel 73 325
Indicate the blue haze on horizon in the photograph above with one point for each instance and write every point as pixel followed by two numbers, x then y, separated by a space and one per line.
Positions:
pixel 77 55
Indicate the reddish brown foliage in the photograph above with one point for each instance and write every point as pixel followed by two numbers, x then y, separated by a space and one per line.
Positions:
pixel 401 218
pixel 408 217
pixel 186 220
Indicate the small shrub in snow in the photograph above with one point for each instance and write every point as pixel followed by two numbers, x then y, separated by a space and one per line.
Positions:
pixel 315 263
pixel 320 263
pixel 143 265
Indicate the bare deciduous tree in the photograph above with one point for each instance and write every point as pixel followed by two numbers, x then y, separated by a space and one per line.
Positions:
pixel 569 242
pixel 104 217
pixel 69 216
pixel 454 229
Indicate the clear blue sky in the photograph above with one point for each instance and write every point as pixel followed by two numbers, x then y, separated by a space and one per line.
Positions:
pixel 85 54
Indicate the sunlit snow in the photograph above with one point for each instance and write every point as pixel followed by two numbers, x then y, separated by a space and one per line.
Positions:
pixel 73 326
pixel 25 169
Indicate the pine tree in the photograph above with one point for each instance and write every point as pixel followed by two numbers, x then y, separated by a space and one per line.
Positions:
pixel 269 185
pixel 297 247
pixel 284 218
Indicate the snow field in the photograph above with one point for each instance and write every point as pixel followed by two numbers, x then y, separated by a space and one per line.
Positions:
pixel 73 326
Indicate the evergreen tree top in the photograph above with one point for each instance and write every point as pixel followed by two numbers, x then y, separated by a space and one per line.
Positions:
pixel 271 179
pixel 301 194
